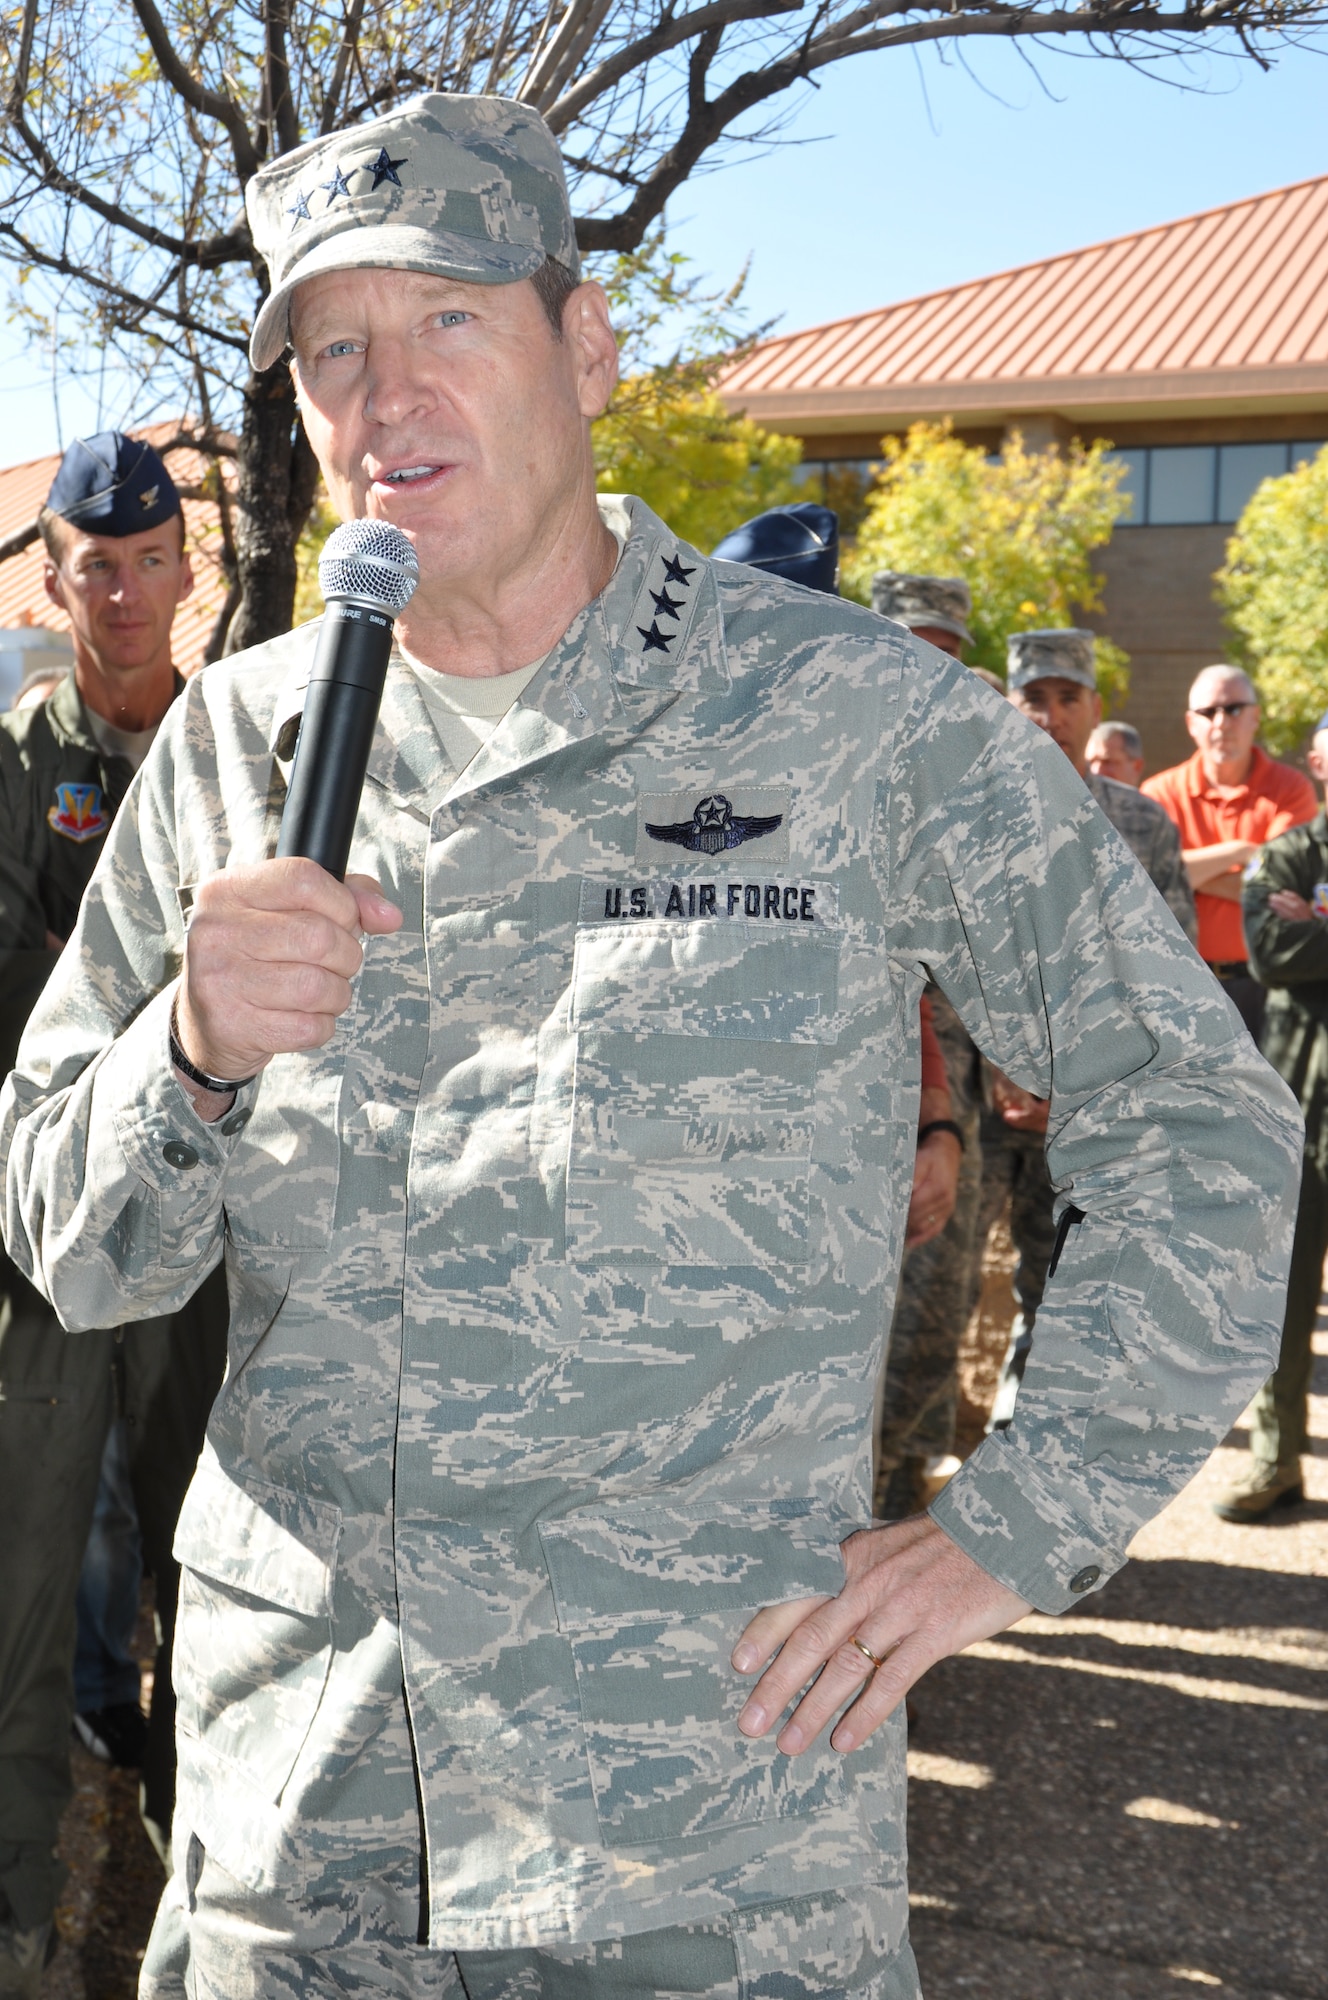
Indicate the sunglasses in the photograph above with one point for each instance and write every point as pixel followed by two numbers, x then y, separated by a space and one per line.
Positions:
pixel 1227 708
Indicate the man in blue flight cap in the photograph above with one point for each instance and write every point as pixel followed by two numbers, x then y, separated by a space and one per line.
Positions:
pixel 116 563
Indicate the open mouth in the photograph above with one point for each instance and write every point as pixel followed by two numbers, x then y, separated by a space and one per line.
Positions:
pixel 409 475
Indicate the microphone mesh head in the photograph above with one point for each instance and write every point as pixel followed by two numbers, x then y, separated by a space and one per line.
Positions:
pixel 372 561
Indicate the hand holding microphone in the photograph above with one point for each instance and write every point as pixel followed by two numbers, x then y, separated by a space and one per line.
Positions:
pixel 273 946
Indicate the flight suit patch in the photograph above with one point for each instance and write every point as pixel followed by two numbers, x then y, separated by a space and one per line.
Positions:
pixel 77 813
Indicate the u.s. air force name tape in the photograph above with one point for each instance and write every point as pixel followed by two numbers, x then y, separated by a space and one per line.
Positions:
pixel 691 901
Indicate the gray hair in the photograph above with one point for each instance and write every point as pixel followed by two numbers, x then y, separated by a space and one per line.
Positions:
pixel 1221 667
pixel 1128 734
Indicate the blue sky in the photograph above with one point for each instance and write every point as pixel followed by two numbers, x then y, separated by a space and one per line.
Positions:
pixel 909 174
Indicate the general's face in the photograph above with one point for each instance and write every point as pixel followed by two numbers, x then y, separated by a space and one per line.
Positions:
pixel 121 591
pixel 1109 758
pixel 1223 736
pixel 452 410
pixel 1067 711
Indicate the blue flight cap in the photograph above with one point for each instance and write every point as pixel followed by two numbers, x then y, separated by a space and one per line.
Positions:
pixel 800 543
pixel 113 485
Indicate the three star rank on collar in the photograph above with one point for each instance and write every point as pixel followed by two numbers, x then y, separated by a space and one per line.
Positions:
pixel 666 606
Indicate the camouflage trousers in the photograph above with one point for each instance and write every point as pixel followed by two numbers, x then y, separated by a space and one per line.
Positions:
pixel 355 1929
pixel 1279 1418
pixel 919 1384
pixel 1014 1171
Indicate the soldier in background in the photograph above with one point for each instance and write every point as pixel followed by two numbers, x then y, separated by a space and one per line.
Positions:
pixel 1285 906
pixel 1116 751
pixel 1052 679
pixel 919 1391
pixel 116 564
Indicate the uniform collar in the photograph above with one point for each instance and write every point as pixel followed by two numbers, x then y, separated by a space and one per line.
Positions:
pixel 654 633
pixel 69 718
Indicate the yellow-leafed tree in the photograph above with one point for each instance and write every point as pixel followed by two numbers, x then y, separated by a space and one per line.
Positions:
pixel 1274 591
pixel 1019 528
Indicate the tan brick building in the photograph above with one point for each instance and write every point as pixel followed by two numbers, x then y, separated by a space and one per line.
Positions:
pixel 1200 349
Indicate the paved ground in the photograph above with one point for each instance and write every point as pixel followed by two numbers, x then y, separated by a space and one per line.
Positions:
pixel 1120 1805
pixel 1133 1802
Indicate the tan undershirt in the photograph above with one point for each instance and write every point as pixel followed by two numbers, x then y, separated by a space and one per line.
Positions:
pixel 466 709
pixel 131 744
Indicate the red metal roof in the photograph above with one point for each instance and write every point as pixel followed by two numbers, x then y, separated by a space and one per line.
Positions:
pixel 23 599
pixel 1229 304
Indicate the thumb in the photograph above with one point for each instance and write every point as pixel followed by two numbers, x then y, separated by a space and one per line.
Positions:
pixel 377 915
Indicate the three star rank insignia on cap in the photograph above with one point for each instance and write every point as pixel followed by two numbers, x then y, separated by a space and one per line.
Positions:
pixel 382 166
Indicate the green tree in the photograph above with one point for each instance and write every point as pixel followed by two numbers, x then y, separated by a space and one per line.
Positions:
pixel 666 435
pixel 1273 589
pixel 1019 529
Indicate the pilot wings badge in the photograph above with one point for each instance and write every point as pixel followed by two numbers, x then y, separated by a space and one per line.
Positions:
pixel 714 827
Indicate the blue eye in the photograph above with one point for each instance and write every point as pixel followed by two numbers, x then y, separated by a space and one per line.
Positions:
pixel 337 348
pixel 453 318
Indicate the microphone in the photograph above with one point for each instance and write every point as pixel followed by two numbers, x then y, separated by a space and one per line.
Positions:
pixel 368 574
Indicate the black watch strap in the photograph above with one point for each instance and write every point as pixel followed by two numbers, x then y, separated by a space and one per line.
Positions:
pixel 940 1125
pixel 219 1084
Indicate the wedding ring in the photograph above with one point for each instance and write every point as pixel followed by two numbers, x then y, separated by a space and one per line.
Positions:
pixel 867 1652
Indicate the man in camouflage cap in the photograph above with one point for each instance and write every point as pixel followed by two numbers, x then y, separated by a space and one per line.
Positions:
pixel 934 608
pixel 562 1216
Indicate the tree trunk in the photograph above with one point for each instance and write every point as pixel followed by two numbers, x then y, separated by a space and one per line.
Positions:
pixel 276 478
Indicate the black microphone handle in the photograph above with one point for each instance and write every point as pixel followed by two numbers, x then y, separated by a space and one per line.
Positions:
pixel 336 735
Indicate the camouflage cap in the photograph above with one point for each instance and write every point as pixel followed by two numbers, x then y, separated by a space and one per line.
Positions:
pixel 943 602
pixel 464 187
pixel 1040 656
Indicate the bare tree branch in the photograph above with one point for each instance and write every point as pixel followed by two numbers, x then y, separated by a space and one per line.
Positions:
pixel 210 103
pixel 22 538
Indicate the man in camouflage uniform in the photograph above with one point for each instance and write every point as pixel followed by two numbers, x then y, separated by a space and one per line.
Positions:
pixel 562 1217
pixel 1052 679
pixel 116 564
pixel 918 1396
pixel 1285 905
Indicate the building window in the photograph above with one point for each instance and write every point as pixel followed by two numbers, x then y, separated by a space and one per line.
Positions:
pixel 1175 485
pixel 841 483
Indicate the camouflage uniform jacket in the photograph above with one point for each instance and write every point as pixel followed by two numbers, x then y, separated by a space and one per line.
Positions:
pixel 1291 959
pixel 1152 836
pixel 559 1278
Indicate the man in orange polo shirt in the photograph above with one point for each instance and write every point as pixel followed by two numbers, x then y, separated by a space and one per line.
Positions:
pixel 1227 801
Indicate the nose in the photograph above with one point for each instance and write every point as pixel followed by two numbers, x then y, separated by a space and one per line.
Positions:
pixel 395 392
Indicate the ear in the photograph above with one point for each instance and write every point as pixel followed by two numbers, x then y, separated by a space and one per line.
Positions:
pixel 186 578
pixel 51 581
pixel 586 324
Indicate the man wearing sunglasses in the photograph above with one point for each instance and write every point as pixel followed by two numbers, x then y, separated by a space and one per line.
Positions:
pixel 1227 801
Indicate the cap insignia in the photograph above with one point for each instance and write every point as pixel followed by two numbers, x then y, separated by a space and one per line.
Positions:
pixel 337 185
pixel 299 208
pixel 148 497
pixel 384 169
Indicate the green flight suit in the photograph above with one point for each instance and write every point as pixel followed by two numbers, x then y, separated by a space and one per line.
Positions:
pixel 1291 960
pixel 59 794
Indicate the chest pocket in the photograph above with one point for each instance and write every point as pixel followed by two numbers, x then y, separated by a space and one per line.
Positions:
pixel 694 1107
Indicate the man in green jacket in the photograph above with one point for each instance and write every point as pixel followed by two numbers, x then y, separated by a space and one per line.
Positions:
pixel 1285 906
pixel 116 564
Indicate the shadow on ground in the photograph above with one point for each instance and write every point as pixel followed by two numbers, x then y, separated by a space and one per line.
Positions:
pixel 1132 1800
